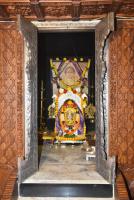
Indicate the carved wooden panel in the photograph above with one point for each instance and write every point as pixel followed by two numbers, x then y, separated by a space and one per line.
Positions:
pixel 121 88
pixel 37 9
pixel 64 9
pixel 58 11
pixel 127 9
pixel 128 174
pixel 20 89
pixel 11 129
pixel 7 180
pixel 19 9
pixel 9 54
pixel 122 192
pixel 100 9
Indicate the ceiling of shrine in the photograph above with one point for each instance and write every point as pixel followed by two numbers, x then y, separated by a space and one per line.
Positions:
pixel 64 9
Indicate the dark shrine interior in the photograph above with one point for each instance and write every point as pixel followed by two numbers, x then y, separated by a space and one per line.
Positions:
pixel 69 45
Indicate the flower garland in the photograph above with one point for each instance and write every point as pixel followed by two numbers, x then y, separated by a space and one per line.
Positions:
pixel 86 68
pixel 77 138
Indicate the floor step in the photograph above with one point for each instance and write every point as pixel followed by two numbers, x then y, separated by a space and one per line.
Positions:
pixel 66 190
pixel 61 198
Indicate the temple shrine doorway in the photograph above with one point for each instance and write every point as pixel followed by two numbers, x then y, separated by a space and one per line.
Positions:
pixel 104 164
pixel 66 100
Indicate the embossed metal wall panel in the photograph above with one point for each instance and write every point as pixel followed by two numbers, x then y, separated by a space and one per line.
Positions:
pixel 121 88
pixel 105 164
pixel 30 164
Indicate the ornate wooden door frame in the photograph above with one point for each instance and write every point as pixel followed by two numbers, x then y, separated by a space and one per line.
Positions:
pixel 30 163
pixel 105 164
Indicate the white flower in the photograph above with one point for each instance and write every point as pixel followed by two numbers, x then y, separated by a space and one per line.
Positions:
pixel 54 96
pixel 61 90
pixel 78 90
pixel 84 96
pixel 53 105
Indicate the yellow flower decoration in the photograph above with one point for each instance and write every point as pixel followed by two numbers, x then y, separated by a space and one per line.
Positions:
pixel 75 59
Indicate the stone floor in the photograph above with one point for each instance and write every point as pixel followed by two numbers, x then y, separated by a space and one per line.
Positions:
pixel 65 164
pixel 61 198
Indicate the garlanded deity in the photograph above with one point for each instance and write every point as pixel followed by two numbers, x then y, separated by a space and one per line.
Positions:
pixel 70 99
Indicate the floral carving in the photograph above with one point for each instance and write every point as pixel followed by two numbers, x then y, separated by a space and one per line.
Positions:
pixel 57 11
pixel 121 70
